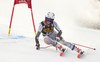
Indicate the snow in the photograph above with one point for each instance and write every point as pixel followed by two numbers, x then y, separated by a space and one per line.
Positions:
pixel 79 21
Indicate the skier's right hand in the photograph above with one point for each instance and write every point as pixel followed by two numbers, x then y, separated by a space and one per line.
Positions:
pixel 37 46
pixel 57 38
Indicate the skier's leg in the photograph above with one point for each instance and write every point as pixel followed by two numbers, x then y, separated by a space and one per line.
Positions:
pixel 68 44
pixel 71 46
pixel 49 41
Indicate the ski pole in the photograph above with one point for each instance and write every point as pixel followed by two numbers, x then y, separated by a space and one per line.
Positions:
pixel 45 47
pixel 84 46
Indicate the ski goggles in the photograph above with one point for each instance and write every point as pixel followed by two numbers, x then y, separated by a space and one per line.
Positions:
pixel 48 19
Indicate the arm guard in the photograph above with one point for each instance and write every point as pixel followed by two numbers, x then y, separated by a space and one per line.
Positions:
pixel 59 33
pixel 36 37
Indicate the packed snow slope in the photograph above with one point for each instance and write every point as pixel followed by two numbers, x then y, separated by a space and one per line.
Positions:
pixel 78 20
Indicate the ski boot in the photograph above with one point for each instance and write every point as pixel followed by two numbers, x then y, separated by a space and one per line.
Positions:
pixel 62 51
pixel 78 51
pixel 80 54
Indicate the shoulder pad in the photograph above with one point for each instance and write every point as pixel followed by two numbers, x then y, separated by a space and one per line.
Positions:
pixel 42 23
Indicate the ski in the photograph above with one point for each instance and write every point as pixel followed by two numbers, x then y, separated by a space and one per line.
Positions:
pixel 61 53
pixel 79 55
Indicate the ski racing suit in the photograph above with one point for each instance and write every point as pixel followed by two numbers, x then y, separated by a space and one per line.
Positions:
pixel 50 34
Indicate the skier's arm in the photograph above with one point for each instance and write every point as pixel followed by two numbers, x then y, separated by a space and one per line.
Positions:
pixel 37 40
pixel 37 37
pixel 58 29
pixel 59 33
pixel 58 37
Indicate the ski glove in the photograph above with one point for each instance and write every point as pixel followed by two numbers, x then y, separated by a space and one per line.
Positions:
pixel 57 38
pixel 37 46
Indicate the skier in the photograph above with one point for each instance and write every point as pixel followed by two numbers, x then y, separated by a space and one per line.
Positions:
pixel 51 37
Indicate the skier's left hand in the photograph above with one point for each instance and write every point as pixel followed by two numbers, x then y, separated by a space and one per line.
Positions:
pixel 57 38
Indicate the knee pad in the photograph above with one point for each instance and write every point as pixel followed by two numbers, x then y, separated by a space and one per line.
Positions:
pixel 45 40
